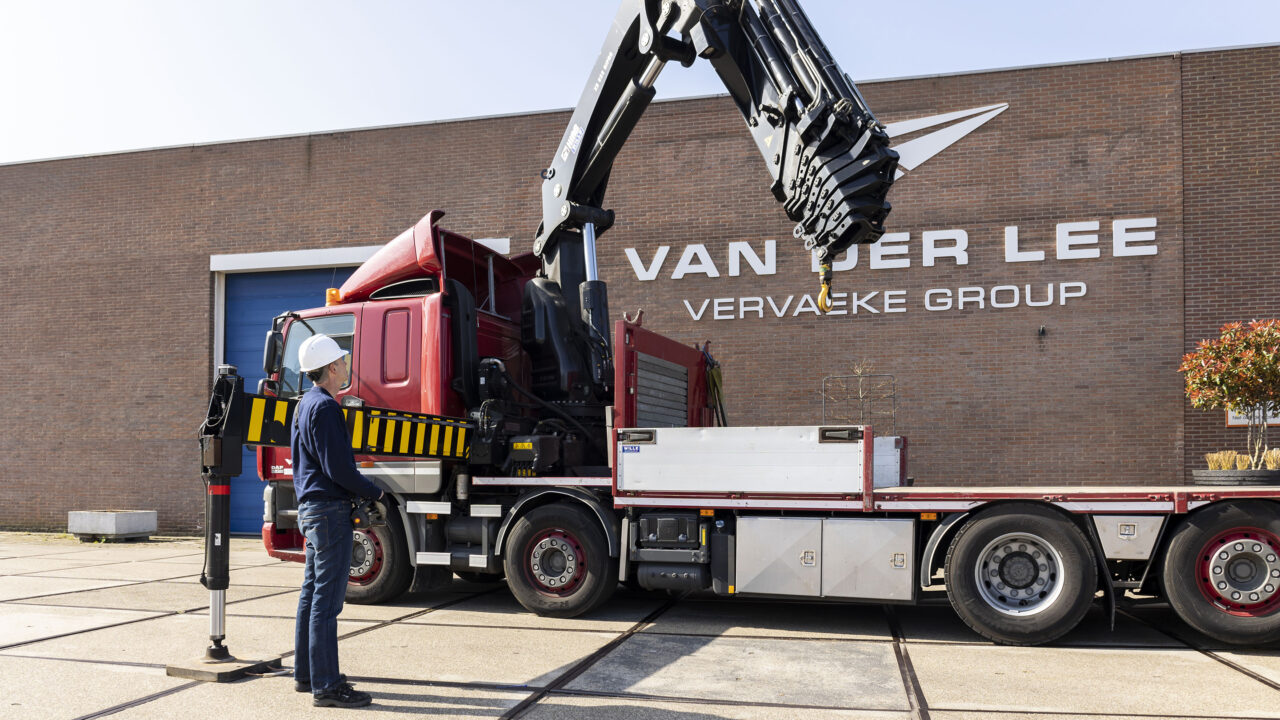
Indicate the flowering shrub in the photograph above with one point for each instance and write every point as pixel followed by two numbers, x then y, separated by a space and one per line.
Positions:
pixel 1238 371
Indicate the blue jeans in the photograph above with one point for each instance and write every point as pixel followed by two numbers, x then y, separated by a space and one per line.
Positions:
pixel 327 527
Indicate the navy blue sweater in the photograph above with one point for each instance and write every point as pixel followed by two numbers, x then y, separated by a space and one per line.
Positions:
pixel 324 467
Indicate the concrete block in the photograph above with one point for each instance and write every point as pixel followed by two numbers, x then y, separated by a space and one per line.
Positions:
pixel 111 524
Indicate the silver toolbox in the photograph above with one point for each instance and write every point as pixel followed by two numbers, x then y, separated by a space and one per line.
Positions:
pixel 868 558
pixel 790 460
pixel 857 558
pixel 1128 537
pixel 779 556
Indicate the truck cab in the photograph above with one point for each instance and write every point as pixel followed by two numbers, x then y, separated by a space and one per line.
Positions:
pixel 416 317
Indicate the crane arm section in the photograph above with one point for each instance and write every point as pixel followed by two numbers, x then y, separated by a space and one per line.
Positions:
pixel 828 158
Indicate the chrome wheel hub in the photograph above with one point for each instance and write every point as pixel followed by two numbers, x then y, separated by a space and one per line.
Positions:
pixel 363 555
pixel 1019 574
pixel 553 562
pixel 1244 570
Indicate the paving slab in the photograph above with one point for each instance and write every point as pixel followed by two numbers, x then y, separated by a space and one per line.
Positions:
pixel 17 544
pixel 1264 662
pixel 22 623
pixel 775 619
pixel 256 556
pixel 173 639
pixel 568 707
pixel 935 624
pixel 964 715
pixel 855 675
pixel 169 596
pixel 14 587
pixel 254 699
pixel 284 574
pixel 500 609
pixel 286 606
pixel 941 624
pixel 465 654
pixel 116 552
pixel 41 563
pixel 1095 631
pixel 1152 683
pixel 81 688
pixel 152 570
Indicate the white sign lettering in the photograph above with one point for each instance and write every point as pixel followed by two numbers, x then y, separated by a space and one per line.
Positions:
pixel 949 248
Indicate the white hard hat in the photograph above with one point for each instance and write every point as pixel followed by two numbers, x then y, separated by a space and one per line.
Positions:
pixel 318 351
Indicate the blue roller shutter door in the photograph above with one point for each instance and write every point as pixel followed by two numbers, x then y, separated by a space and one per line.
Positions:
pixel 252 300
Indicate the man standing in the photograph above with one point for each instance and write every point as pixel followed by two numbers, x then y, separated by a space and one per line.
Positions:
pixel 326 481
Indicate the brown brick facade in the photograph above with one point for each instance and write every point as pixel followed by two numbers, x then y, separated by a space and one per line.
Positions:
pixel 107 297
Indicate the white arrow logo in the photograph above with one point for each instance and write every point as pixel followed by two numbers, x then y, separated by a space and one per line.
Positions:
pixel 913 153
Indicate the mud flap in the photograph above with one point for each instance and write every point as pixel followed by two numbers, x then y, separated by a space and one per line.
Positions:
pixel 1109 588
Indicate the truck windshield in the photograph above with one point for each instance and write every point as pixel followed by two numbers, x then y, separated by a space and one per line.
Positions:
pixel 339 327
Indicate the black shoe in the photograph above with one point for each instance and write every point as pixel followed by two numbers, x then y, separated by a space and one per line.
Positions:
pixel 300 686
pixel 342 695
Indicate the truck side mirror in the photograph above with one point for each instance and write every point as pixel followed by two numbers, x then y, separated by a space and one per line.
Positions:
pixel 273 352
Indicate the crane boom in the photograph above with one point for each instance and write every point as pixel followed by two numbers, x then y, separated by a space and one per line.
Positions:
pixel 828 157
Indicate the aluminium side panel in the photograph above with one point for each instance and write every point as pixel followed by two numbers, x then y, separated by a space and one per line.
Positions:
pixel 785 460
pixel 868 558
pixel 1128 537
pixel 779 555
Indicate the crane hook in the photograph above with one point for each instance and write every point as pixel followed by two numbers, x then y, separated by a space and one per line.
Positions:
pixel 824 296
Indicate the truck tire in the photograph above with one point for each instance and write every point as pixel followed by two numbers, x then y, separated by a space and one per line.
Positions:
pixel 1020 574
pixel 380 569
pixel 565 540
pixel 1221 572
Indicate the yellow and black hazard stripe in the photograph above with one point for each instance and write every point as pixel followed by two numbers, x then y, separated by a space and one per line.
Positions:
pixel 373 431
pixel 378 431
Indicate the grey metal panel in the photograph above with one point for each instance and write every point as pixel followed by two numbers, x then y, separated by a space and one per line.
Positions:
pixel 661 398
pixel 428 477
pixel 868 558
pixel 425 506
pixel 779 556
pixel 662 393
pixel 1128 537
pixel 658 364
pixel 656 420
pixel 660 378
pixel 659 409
pixel 421 477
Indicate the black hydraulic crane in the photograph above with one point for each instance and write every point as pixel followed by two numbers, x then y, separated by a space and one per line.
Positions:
pixel 827 155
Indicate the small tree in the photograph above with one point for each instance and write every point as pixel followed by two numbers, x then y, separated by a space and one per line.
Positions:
pixel 1238 371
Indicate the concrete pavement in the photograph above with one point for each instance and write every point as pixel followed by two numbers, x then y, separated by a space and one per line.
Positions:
pixel 87 629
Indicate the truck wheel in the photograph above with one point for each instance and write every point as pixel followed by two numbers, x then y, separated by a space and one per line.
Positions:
pixel 1222 572
pixel 380 568
pixel 557 561
pixel 1020 574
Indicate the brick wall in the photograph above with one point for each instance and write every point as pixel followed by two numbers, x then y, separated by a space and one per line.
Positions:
pixel 1231 192
pixel 107 296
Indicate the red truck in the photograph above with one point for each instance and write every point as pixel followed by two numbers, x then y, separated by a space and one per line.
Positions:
pixel 519 433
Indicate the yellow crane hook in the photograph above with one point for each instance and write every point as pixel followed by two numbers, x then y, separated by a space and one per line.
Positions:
pixel 824 295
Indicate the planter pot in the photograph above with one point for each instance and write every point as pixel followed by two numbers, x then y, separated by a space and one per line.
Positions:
pixel 1235 477
pixel 111 524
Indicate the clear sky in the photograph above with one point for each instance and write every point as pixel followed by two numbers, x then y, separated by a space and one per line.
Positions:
pixel 93 76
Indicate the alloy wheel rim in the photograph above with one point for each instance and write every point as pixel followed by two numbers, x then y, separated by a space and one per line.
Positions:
pixel 1238 571
pixel 1019 574
pixel 366 557
pixel 555 562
